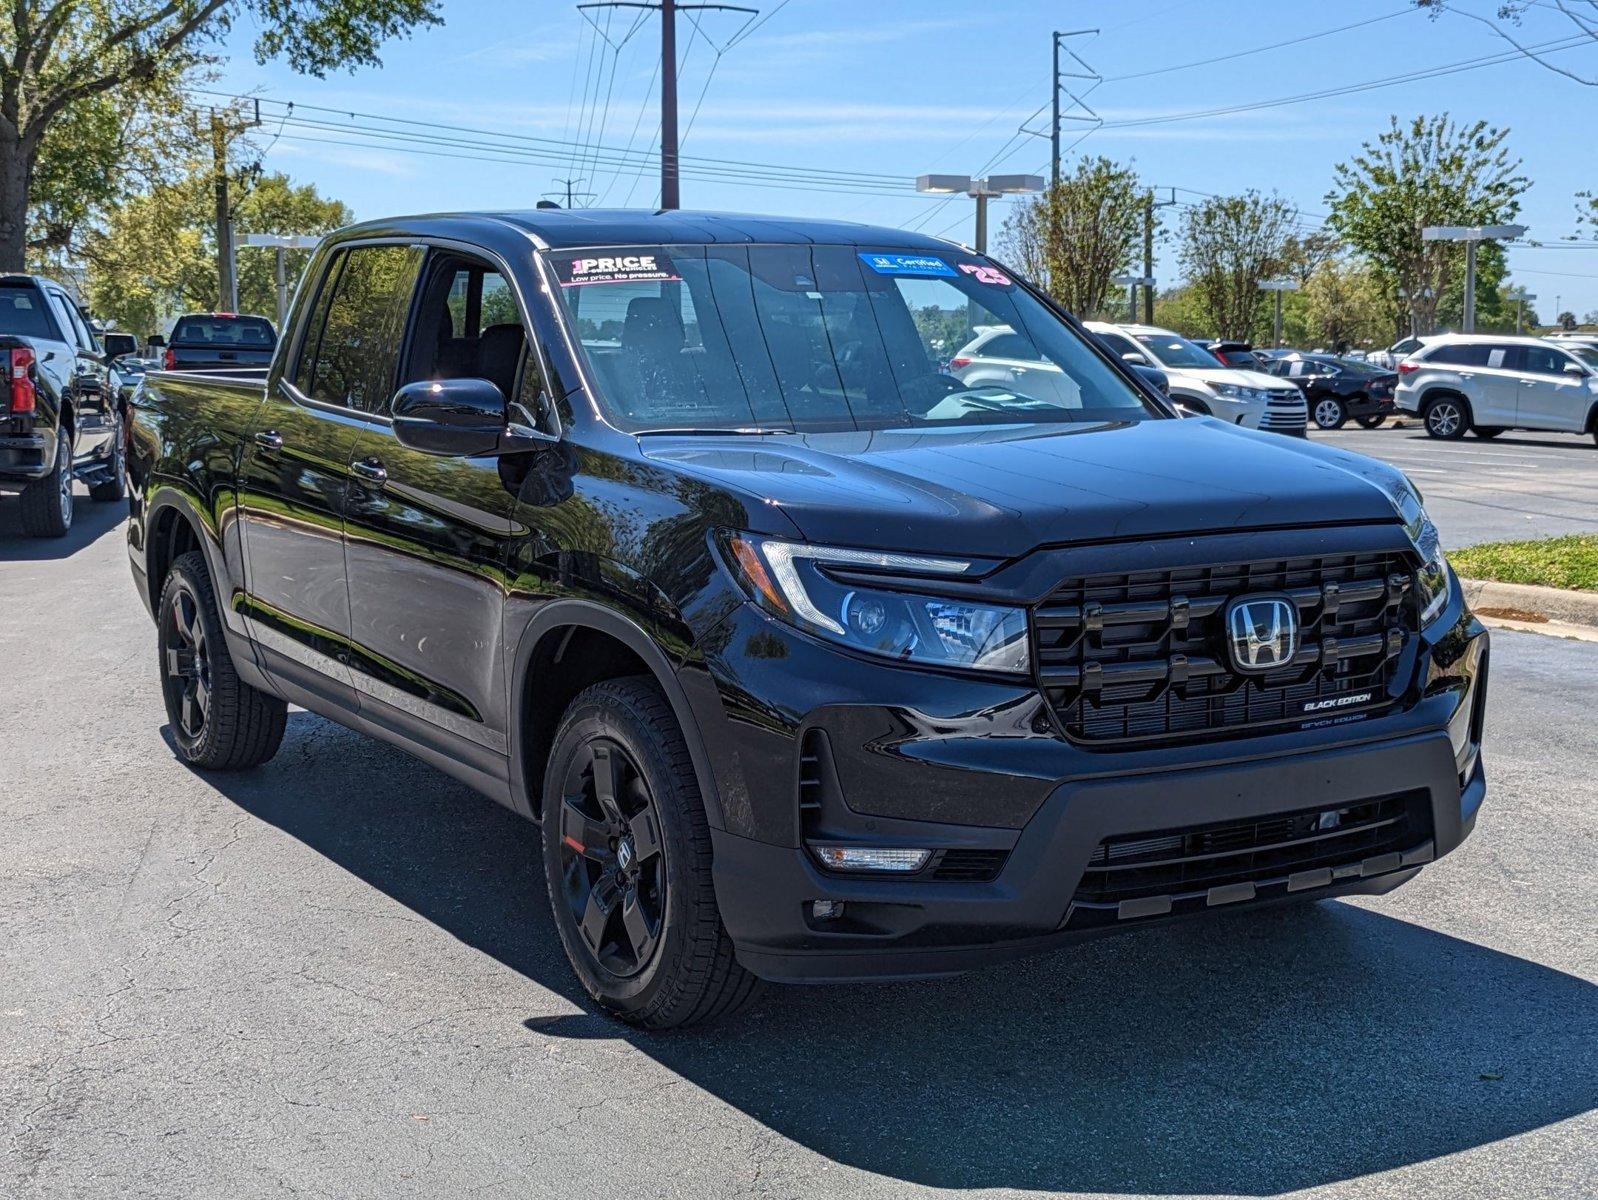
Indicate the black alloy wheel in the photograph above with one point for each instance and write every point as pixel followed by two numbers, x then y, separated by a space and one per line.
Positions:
pixel 115 487
pixel 612 858
pixel 218 722
pixel 186 664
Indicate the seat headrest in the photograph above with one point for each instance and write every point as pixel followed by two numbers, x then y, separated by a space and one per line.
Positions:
pixel 652 321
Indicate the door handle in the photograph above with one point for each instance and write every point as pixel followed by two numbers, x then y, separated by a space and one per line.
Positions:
pixel 1466 375
pixel 370 470
pixel 269 440
pixel 1528 383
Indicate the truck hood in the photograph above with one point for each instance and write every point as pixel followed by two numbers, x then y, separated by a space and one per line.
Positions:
pixel 1001 492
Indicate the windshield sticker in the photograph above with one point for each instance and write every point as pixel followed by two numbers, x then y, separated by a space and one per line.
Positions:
pixel 906 264
pixel 983 273
pixel 618 268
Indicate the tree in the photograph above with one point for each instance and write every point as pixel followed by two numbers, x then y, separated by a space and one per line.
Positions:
pixel 1579 21
pixel 156 253
pixel 1346 301
pixel 1230 244
pixel 1567 320
pixel 1429 171
pixel 1080 233
pixel 1305 254
pixel 57 57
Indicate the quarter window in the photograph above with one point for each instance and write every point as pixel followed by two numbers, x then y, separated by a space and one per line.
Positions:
pixel 351 350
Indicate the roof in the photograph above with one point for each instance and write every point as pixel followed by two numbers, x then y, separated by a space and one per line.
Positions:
pixel 570 228
pixel 1497 339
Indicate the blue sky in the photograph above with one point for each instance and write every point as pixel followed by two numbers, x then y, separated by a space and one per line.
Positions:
pixel 843 89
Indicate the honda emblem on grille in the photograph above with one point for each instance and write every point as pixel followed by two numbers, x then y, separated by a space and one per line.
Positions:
pixel 1262 632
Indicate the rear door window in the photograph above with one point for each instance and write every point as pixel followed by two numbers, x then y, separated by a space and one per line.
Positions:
pixel 352 359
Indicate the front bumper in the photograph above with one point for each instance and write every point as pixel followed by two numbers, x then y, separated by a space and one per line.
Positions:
pixel 968 765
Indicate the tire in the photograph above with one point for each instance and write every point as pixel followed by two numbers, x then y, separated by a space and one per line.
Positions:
pixel 47 502
pixel 219 722
pixel 1446 417
pixel 1487 431
pixel 1329 413
pixel 627 858
pixel 1375 421
pixel 115 488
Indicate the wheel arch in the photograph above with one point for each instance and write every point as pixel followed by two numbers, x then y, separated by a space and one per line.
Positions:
pixel 599 643
pixel 173 527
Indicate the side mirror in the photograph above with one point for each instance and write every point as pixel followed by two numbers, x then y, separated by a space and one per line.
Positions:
pixel 459 418
pixel 1136 359
pixel 1575 369
pixel 119 345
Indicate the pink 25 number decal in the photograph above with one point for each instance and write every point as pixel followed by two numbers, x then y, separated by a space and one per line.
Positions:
pixel 985 274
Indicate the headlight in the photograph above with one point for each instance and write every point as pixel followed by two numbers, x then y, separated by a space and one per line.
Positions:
pixel 790 580
pixel 1228 389
pixel 1432 578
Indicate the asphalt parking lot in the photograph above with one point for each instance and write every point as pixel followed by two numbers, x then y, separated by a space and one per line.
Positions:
pixel 335 976
pixel 1518 485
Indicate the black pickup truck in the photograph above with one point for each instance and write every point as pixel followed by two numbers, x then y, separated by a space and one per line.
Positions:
pixel 229 343
pixel 62 416
pixel 814 663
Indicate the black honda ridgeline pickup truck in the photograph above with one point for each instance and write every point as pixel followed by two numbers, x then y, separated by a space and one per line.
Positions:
pixel 673 533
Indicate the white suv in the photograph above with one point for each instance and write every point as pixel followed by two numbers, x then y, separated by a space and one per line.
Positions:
pixel 1201 382
pixel 1488 383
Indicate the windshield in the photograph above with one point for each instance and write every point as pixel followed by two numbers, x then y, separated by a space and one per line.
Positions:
pixel 1587 354
pixel 1173 350
pixel 801 337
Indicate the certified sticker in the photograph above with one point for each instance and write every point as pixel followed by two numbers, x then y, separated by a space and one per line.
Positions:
pixel 617 268
pixel 907 264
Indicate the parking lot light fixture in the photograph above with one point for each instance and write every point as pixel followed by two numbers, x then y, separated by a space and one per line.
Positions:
pixel 980 190
pixel 1471 235
pixel 1278 286
pixel 1131 283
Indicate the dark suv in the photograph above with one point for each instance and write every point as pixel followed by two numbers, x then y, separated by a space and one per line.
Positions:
pixel 671 532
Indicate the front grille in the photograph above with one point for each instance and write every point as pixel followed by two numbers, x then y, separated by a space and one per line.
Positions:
pixel 1312 847
pixel 1142 657
pixel 1284 409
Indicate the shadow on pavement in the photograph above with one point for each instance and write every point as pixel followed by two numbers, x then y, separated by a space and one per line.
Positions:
pixel 91 520
pixel 1249 1053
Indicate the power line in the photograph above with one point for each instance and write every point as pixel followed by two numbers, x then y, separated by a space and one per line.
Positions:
pixel 1308 37
pixel 1472 64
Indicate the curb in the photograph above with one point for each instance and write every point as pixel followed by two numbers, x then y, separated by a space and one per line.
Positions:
pixel 1524 603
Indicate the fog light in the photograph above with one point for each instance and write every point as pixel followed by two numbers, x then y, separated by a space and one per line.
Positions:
pixel 827 910
pixel 871 858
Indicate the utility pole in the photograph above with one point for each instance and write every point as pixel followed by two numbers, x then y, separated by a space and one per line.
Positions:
pixel 1057 85
pixel 670 169
pixel 1149 205
pixel 226 272
pixel 1131 283
pixel 571 196
pixel 227 283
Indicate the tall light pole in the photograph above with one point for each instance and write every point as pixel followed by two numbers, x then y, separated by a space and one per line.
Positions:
pixel 1520 296
pixel 1131 283
pixel 1278 286
pixel 280 243
pixel 980 190
pixel 1471 235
